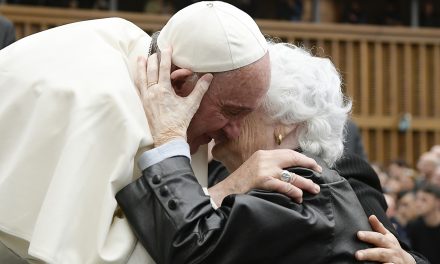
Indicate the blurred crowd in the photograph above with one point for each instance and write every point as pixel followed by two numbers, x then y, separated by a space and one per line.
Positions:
pixel 413 198
pixel 390 12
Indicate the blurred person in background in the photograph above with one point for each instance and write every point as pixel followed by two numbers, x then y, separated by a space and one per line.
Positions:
pixel 132 5
pixel 383 176
pixel 391 203
pixel 395 167
pixel 353 140
pixel 426 165
pixel 391 214
pixel 7 32
pixel 393 185
pixel 428 16
pixel 436 150
pixel 435 180
pixel 391 15
pixel 424 232
pixel 407 179
pixel 405 212
pixel 291 10
pixel 406 209
pixel 354 14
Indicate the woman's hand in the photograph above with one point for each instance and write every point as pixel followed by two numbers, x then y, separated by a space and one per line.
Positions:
pixel 387 249
pixel 263 171
pixel 168 114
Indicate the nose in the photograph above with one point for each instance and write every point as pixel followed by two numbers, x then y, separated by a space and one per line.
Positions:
pixel 232 129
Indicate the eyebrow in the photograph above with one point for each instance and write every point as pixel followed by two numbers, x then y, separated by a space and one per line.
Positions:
pixel 238 108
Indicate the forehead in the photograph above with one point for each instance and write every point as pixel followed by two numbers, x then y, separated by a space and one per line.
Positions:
pixel 243 89
pixel 423 194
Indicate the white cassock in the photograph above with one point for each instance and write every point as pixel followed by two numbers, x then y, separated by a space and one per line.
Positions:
pixel 71 125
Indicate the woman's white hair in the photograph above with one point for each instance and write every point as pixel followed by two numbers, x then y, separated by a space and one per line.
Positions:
pixel 306 90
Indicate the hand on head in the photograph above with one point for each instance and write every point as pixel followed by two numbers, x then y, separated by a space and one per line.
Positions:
pixel 168 114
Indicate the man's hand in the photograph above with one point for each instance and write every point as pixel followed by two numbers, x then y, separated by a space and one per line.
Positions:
pixel 263 170
pixel 387 249
pixel 168 114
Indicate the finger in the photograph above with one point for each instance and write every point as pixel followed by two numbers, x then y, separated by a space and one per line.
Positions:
pixel 152 70
pixel 375 254
pixel 290 158
pixel 304 184
pixel 200 89
pixel 141 74
pixel 286 189
pixel 165 65
pixel 375 238
pixel 377 225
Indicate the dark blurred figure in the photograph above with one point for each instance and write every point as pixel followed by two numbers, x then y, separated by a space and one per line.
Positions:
pixel 435 179
pixel 132 5
pixel 248 6
pixel 180 4
pixel 58 3
pixel 86 4
pixel 391 213
pixel 290 10
pixel 26 2
pixel 7 32
pixel 426 165
pixel 428 16
pixel 353 140
pixel 354 14
pixel 405 211
pixel 391 17
pixel 424 232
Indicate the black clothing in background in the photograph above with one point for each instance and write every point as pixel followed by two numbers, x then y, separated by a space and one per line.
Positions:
pixel 425 239
pixel 132 5
pixel 353 140
pixel 7 32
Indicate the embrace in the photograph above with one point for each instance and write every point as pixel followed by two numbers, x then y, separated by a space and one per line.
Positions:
pixel 107 147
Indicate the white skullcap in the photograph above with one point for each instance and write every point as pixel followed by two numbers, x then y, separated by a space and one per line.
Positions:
pixel 212 36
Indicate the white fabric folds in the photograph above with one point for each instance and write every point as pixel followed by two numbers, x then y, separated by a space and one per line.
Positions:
pixel 71 124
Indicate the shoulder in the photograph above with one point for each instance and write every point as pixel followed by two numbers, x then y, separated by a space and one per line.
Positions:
pixel 353 167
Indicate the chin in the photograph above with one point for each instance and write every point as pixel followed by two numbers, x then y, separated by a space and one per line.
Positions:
pixel 222 153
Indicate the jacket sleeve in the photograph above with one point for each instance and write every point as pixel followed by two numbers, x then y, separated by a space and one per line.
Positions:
pixel 170 214
pixel 366 185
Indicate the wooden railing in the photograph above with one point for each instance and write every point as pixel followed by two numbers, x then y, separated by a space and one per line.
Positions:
pixel 388 72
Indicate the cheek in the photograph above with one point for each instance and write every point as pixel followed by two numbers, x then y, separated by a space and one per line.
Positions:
pixel 253 137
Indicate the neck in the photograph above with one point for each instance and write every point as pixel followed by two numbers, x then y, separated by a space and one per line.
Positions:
pixel 432 219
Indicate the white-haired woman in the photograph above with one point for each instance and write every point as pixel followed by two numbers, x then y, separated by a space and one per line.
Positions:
pixel 304 110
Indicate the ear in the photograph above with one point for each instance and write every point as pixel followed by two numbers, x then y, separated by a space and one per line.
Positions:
pixel 289 135
pixel 182 82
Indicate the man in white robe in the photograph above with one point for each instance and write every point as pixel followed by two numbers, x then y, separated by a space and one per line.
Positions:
pixel 72 125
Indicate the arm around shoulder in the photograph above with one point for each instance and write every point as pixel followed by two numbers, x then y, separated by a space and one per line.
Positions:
pixel 170 214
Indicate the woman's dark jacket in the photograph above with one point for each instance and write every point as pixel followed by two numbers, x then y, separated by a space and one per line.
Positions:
pixel 176 223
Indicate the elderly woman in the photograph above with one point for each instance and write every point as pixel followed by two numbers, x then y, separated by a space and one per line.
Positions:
pixel 304 110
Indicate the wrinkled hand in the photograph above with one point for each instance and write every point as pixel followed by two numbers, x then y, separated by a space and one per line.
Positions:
pixel 387 249
pixel 262 171
pixel 168 114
